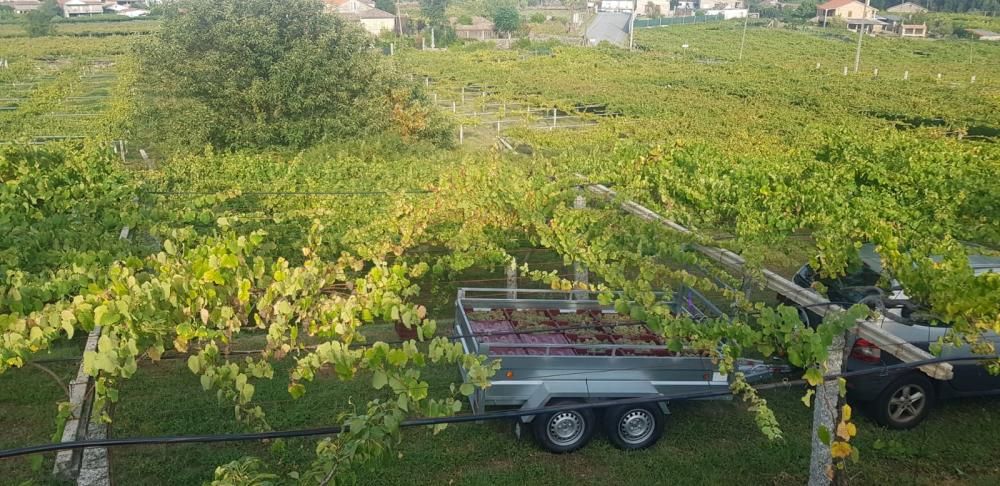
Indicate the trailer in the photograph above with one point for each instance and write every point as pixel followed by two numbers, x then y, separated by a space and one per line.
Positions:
pixel 561 347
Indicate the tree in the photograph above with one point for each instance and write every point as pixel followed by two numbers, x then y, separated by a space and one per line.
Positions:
pixel 38 23
pixel 6 12
pixel 806 10
pixel 434 10
pixel 237 73
pixel 507 19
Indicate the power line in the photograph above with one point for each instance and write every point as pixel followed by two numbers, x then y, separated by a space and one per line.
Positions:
pixel 457 419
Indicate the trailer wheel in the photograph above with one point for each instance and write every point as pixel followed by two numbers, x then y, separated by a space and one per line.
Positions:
pixel 562 432
pixel 633 427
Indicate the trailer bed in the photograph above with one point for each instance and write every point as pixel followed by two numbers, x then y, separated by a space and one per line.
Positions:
pixel 555 345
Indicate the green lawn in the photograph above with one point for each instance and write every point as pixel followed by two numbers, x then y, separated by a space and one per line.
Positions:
pixel 705 442
pixel 28 398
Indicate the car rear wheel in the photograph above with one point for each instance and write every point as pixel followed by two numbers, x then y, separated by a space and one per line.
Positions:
pixel 905 402
pixel 567 431
pixel 633 427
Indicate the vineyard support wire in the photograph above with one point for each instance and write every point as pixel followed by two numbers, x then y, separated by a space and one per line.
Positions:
pixel 465 418
pixel 399 341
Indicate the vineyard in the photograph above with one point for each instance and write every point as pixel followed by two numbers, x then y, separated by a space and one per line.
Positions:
pixel 265 290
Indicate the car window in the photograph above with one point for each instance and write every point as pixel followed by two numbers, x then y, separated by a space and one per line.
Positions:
pixel 863 277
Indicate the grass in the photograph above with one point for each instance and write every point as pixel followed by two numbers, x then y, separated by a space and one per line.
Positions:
pixel 707 442
pixel 28 398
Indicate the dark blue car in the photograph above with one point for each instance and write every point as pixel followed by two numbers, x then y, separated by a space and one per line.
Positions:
pixel 901 399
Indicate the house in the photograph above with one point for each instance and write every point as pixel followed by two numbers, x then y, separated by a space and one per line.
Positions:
pixel 363 12
pixel 347 6
pixel 615 6
pixel 907 8
pixel 134 13
pixel 985 35
pixel 22 6
pixel 373 20
pixel 869 26
pixel 845 10
pixel 729 13
pixel 912 30
pixel 480 28
pixel 721 4
pixel 892 22
pixel 76 8
pixel 651 8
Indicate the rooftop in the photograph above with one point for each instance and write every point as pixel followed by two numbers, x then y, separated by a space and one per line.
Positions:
pixel 832 4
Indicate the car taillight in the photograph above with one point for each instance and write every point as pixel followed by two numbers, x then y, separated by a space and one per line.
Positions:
pixel 866 351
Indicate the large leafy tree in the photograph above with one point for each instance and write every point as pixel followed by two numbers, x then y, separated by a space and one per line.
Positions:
pixel 506 18
pixel 434 10
pixel 236 73
pixel 38 22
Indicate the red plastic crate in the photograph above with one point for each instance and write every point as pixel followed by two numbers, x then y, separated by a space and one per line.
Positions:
pixel 546 338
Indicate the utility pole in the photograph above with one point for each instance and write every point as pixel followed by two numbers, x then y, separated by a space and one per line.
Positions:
pixel 743 41
pixel 631 25
pixel 399 23
pixel 861 34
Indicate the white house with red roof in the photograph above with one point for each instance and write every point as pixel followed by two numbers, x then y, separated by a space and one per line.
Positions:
pixel 856 14
pixel 845 9
pixel 373 20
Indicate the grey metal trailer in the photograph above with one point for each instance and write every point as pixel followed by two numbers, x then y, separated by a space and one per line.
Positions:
pixel 545 361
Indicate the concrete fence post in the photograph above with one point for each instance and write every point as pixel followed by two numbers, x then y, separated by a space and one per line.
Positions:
pixel 89 466
pixel 511 272
pixel 580 274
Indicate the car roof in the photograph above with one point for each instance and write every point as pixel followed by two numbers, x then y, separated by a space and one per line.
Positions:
pixel 979 263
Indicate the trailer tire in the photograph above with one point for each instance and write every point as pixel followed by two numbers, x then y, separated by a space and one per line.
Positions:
pixel 634 427
pixel 563 432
